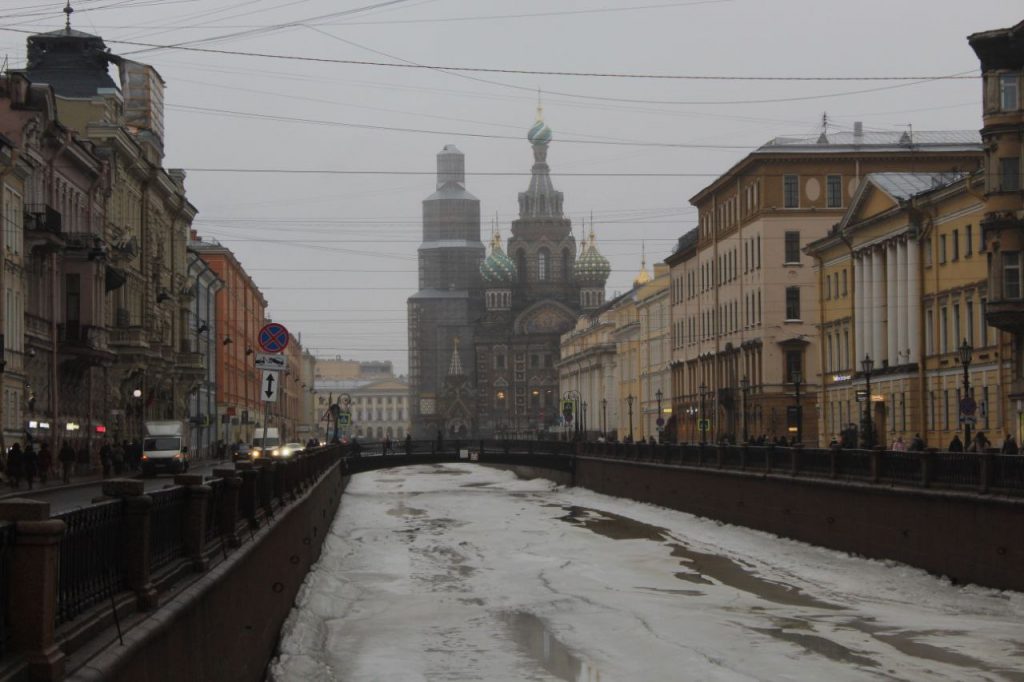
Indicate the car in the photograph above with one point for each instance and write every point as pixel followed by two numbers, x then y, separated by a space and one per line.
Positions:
pixel 287 450
pixel 241 452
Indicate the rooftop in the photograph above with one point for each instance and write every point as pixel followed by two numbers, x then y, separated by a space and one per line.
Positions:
pixel 869 140
pixel 906 185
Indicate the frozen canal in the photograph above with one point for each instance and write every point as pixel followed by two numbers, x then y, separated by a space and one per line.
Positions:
pixel 458 572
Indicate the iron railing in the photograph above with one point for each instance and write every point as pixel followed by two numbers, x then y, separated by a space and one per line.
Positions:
pixel 91 567
pixel 213 507
pixel 167 518
pixel 6 543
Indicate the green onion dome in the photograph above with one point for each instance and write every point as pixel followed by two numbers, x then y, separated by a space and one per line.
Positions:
pixel 591 267
pixel 540 133
pixel 498 269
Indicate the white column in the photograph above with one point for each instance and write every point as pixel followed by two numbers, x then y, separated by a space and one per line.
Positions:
pixel 902 322
pixel 914 321
pixel 869 308
pixel 891 319
pixel 859 293
pixel 877 313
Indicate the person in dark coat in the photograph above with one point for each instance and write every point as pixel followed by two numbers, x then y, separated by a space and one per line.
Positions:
pixel 45 462
pixel 408 444
pixel 956 445
pixel 356 447
pixel 440 440
pixel 1009 446
pixel 917 444
pixel 67 460
pixel 105 458
pixel 14 462
pixel 29 464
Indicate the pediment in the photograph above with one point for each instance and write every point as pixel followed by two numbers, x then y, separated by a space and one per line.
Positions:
pixel 546 317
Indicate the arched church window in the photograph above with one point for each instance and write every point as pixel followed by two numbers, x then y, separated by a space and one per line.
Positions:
pixel 542 264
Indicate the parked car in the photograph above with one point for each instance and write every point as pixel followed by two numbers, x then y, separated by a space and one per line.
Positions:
pixel 241 453
pixel 287 450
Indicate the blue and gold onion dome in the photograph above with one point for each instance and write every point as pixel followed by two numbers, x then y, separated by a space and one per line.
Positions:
pixel 498 269
pixel 539 133
pixel 591 267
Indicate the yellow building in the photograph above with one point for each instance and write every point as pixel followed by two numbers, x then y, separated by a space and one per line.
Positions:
pixel 744 297
pixel 902 281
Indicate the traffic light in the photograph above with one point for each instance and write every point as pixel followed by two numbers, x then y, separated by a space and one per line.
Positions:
pixel 567 410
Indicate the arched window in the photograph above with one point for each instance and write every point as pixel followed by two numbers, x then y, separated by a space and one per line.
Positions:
pixel 521 264
pixel 542 264
pixel 565 263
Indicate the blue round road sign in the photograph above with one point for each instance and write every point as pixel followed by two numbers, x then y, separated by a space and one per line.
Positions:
pixel 273 338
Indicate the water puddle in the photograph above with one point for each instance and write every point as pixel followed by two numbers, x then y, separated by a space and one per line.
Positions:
pixel 478 484
pixel 530 633
pixel 684 593
pixel 908 642
pixel 700 568
pixel 818 645
pixel 403 511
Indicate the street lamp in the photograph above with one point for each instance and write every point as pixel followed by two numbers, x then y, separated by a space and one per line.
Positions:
pixel 574 396
pixel 583 424
pixel 701 424
pixel 967 404
pixel 604 417
pixel 744 389
pixel 629 402
pixel 659 422
pixel 868 439
pixel 797 376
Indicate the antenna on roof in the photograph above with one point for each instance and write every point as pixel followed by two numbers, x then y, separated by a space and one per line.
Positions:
pixel 68 9
pixel 823 138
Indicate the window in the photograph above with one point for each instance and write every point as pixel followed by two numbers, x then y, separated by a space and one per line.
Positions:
pixel 835 283
pixel 790 192
pixel 542 264
pixel 943 330
pixel 968 241
pixel 1011 275
pixel 834 191
pixel 942 248
pixel 956 323
pixel 828 287
pixel 969 317
pixel 926 247
pixel 929 332
pixel 792 247
pixel 794 363
pixel 1009 174
pixel 956 244
pixel 499 361
pixel 1009 92
pixel 792 303
pixel 844 281
pixel 758 252
pixel 982 325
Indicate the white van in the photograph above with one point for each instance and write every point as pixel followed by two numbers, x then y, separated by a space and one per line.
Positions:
pixel 164 448
pixel 265 447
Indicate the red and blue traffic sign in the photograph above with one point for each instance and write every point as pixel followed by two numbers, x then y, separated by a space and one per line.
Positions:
pixel 273 338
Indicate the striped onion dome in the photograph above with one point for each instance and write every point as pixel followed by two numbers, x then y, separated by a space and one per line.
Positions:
pixel 498 269
pixel 539 134
pixel 591 267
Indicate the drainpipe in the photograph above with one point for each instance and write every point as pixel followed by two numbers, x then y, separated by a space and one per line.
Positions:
pixel 4 172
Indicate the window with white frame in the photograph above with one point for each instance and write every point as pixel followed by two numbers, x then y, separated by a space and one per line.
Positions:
pixel 834 191
pixel 1011 275
pixel 1009 92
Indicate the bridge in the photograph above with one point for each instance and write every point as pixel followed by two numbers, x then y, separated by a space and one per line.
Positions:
pixel 198 578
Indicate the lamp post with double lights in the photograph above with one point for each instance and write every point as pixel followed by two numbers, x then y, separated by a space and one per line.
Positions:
pixel 701 424
pixel 744 389
pixel 629 403
pixel 796 376
pixel 967 404
pixel 868 439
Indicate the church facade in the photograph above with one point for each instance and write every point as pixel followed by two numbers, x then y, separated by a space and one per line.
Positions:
pixel 517 303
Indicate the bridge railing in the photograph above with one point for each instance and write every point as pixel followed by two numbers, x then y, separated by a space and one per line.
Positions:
pixel 133 542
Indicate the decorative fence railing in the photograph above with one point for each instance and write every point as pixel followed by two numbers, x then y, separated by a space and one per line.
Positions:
pixel 167 519
pixel 6 541
pixel 91 566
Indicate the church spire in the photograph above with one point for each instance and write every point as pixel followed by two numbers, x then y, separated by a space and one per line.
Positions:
pixel 455 367
pixel 643 277
pixel 68 9
pixel 540 200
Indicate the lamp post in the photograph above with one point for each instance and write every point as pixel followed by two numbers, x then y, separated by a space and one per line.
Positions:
pixel 692 411
pixel 659 422
pixel 574 396
pixel 744 388
pixel 629 402
pixel 868 439
pixel 967 404
pixel 701 424
pixel 583 424
pixel 604 418
pixel 797 376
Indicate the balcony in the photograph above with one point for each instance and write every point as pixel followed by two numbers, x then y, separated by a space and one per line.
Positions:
pixel 1007 315
pixel 129 338
pixel 43 229
pixel 87 344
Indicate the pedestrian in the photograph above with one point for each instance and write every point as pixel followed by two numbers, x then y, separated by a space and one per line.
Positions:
pixel 132 454
pixel 956 445
pixel 29 464
pixel 105 458
pixel 408 444
pixel 117 458
pixel 14 460
pixel 898 445
pixel 45 462
pixel 980 444
pixel 356 447
pixel 387 444
pixel 440 441
pixel 67 460
pixel 1009 446
pixel 917 444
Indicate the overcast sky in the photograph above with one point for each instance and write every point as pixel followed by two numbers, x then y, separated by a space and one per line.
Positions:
pixel 335 254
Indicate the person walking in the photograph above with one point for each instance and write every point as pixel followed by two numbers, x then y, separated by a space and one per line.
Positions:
pixel 440 441
pixel 408 444
pixel 386 445
pixel 898 445
pixel 29 464
pixel 14 461
pixel 105 458
pixel 956 445
pixel 117 458
pixel 917 444
pixel 45 462
pixel 980 444
pixel 67 460
pixel 1009 445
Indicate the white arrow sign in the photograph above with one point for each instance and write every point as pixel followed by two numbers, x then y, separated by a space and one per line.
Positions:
pixel 271 361
pixel 269 387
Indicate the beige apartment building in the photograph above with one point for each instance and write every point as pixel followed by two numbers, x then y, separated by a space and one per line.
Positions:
pixel 744 296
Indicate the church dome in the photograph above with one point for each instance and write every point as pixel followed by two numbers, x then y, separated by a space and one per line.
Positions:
pixel 498 269
pixel 539 133
pixel 591 267
pixel 643 277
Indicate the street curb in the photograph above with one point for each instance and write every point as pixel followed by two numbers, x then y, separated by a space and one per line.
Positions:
pixel 54 488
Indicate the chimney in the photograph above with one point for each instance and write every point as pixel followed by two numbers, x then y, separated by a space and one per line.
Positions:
pixel 858 131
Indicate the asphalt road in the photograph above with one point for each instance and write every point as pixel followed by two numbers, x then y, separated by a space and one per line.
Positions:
pixel 78 494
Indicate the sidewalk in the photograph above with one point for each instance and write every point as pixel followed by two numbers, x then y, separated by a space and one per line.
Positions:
pixel 54 483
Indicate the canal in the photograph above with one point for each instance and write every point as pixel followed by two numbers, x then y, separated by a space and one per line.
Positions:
pixel 460 572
